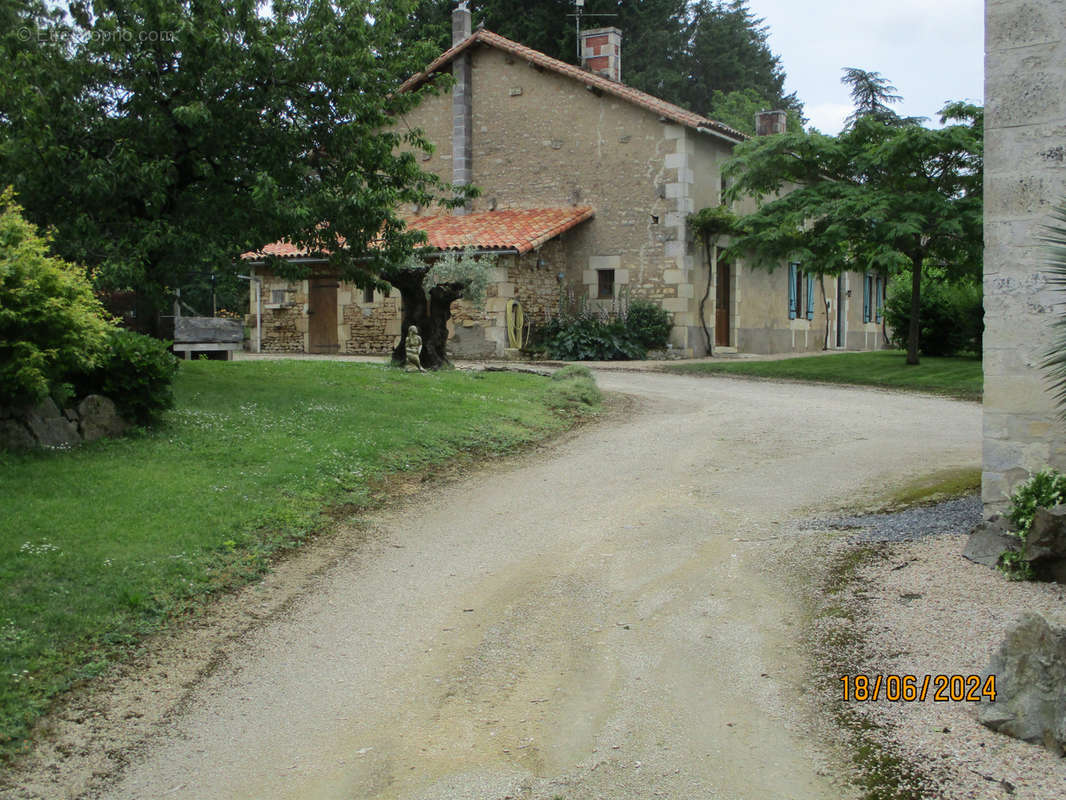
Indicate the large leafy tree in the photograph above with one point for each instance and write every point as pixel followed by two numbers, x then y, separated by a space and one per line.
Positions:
pixel 159 139
pixel 879 197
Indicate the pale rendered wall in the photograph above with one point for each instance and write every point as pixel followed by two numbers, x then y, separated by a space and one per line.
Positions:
pixel 1025 173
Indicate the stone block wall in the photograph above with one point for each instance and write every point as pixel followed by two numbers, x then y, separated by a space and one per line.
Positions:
pixel 1025 174
pixel 372 328
pixel 531 279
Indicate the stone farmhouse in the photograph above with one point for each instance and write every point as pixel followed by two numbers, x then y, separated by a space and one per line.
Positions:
pixel 585 187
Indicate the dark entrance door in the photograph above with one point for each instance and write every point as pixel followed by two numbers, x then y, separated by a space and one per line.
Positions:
pixel 721 305
pixel 322 315
pixel 841 297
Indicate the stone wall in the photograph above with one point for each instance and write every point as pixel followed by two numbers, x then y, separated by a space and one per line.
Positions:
pixel 284 328
pixel 1025 174
pixel 531 279
pixel 372 328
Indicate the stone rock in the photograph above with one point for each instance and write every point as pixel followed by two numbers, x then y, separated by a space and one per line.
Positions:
pixel 14 436
pixel 1030 670
pixel 99 418
pixel 989 540
pixel 50 428
pixel 1045 546
pixel 46 409
pixel 71 415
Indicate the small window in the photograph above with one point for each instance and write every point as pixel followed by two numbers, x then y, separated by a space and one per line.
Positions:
pixel 879 299
pixel 368 294
pixel 277 297
pixel 605 284
pixel 867 297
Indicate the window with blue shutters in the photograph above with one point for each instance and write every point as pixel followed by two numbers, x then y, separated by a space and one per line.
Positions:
pixel 793 290
pixel 867 296
pixel 810 296
pixel 879 298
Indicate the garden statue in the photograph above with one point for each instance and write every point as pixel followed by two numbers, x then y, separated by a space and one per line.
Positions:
pixel 413 347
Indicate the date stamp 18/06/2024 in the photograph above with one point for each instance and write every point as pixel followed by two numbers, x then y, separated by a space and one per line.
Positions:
pixel 918 688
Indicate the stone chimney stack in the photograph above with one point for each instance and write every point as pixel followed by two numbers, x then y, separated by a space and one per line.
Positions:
pixel 601 52
pixel 767 123
pixel 461 27
pixel 462 102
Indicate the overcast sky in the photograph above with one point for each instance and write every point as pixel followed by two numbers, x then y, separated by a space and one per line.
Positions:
pixel 931 50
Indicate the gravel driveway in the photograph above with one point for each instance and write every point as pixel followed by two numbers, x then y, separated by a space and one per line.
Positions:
pixel 592 621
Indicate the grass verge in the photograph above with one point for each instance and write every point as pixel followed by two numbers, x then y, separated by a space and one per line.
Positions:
pixel 960 378
pixel 104 544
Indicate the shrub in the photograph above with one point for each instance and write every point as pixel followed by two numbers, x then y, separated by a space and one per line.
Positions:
pixel 1043 490
pixel 137 374
pixel 951 316
pixel 586 336
pixel 649 324
pixel 51 325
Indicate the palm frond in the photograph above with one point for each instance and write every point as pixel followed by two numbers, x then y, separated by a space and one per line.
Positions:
pixel 1054 362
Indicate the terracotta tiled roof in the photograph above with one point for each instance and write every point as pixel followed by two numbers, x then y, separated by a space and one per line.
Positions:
pixel 519 229
pixel 606 85
pixel 510 229
pixel 281 249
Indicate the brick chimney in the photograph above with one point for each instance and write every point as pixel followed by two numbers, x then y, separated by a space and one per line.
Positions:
pixel 601 52
pixel 767 123
pixel 462 102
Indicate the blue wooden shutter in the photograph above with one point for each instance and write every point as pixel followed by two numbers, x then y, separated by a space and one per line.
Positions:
pixel 810 296
pixel 866 298
pixel 793 301
pixel 879 298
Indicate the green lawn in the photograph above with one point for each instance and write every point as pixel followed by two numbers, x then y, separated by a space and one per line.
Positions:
pixel 102 544
pixel 956 377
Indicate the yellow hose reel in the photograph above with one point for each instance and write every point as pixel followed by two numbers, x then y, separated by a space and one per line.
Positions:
pixel 517 332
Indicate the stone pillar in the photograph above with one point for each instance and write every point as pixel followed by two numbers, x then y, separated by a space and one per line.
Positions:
pixel 462 103
pixel 1025 174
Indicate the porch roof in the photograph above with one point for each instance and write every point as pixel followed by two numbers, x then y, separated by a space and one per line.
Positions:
pixel 509 229
pixel 516 229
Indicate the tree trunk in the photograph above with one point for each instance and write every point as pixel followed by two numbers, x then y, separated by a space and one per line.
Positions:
pixel 825 302
pixel 707 293
pixel 429 314
pixel 916 306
